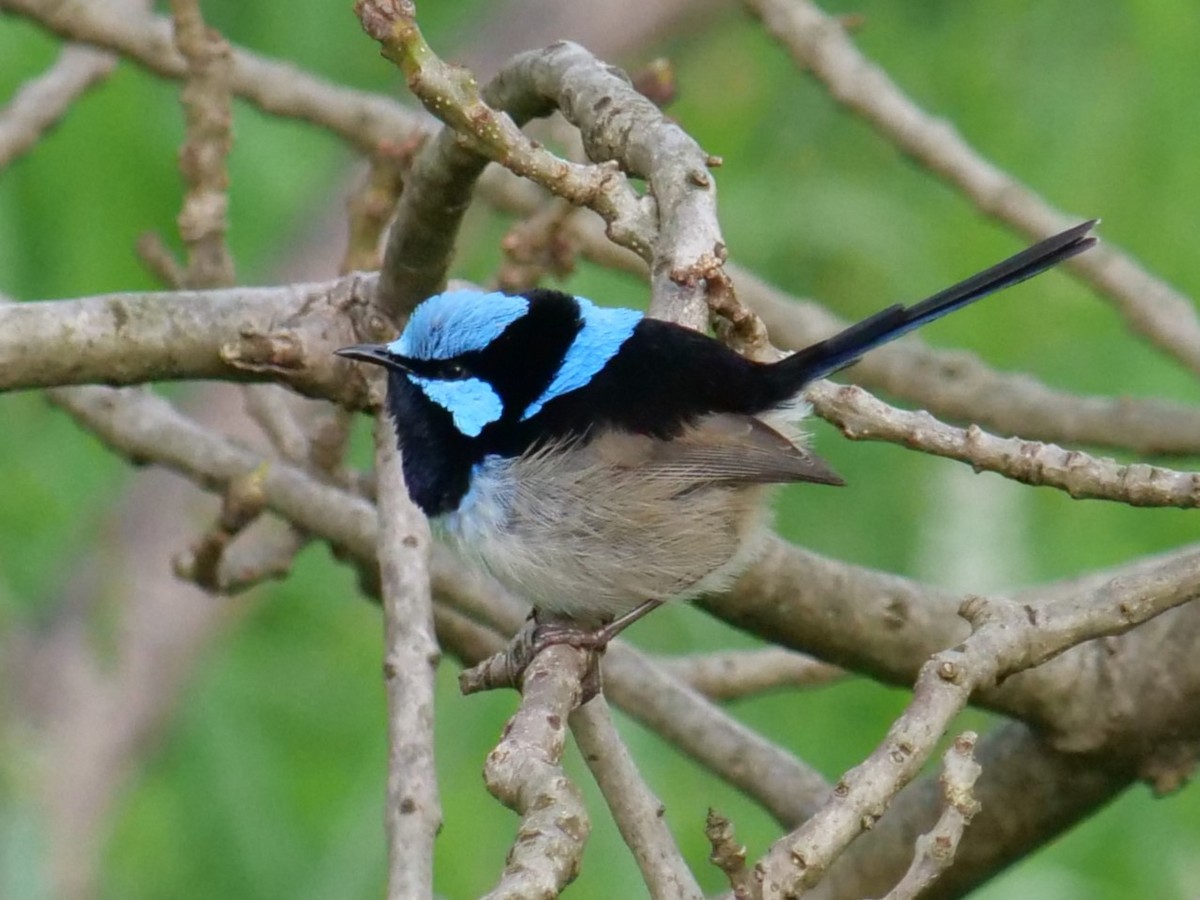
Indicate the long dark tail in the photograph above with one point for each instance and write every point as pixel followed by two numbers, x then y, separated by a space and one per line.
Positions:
pixel 843 349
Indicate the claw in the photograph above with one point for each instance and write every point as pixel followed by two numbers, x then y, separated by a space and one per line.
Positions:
pixel 535 636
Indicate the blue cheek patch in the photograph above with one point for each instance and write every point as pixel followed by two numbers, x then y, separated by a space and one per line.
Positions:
pixel 604 331
pixel 471 402
pixel 457 322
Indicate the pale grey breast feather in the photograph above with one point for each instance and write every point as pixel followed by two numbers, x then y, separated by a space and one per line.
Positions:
pixel 631 517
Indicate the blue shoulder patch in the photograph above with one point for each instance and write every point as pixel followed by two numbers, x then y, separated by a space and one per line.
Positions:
pixel 456 322
pixel 604 331
pixel 471 402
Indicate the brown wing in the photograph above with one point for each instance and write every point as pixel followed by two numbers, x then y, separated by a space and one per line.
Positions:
pixel 721 448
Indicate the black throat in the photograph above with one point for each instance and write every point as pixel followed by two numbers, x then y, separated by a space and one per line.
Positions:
pixel 437 458
pixel 518 365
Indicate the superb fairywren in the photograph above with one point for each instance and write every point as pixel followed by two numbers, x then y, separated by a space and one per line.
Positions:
pixel 595 460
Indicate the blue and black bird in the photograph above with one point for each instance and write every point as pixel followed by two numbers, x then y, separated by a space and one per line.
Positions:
pixel 597 461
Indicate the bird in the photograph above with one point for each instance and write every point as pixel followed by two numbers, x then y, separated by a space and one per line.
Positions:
pixel 599 462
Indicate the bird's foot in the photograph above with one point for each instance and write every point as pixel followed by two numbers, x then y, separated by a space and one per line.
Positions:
pixel 594 640
pixel 507 669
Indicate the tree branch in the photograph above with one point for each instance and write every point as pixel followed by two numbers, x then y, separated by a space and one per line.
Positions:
pixel 635 809
pixel 621 130
pixel 42 102
pixel 362 119
pixel 956 385
pixel 886 626
pixel 819 44
pixel 239 334
pixel 414 813
pixel 936 849
pixel 207 101
pixel 1028 794
pixel 859 416
pixel 524 773
pixel 1006 639
pixel 733 674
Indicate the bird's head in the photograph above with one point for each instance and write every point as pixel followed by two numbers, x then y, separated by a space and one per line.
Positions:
pixel 492 361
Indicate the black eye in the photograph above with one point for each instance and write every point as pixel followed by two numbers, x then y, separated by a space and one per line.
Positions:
pixel 453 371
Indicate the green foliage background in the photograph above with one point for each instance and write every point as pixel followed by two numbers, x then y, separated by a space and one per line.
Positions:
pixel 268 781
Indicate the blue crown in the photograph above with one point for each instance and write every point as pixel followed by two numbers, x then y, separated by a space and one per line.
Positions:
pixel 457 322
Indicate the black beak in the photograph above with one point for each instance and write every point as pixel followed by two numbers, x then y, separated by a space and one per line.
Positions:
pixel 373 353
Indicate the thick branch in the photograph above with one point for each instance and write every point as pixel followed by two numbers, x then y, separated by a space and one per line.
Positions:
pixel 241 334
pixel 524 772
pixel 887 626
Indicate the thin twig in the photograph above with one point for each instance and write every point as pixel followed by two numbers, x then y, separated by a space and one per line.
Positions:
pixel 42 102
pixel 819 44
pixel 860 416
pixel 373 204
pixel 957 385
pixel 728 855
pixel 1005 640
pixel 537 246
pixel 207 104
pixel 159 260
pixel 264 551
pixel 362 119
pixel 414 813
pixel 732 674
pixel 242 503
pixel 935 849
pixel 635 809
pixel 1027 792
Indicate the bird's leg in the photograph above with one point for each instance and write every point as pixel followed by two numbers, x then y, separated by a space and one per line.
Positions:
pixel 602 636
pixel 595 640
pixel 547 634
pixel 507 668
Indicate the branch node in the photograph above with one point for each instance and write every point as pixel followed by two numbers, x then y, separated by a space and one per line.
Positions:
pixel 257 352
pixel 727 854
pixel 244 501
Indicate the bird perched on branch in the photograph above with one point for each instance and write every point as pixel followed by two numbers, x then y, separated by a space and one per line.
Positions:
pixel 599 462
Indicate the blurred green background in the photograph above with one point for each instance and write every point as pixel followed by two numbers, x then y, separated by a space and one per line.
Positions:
pixel 267 778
